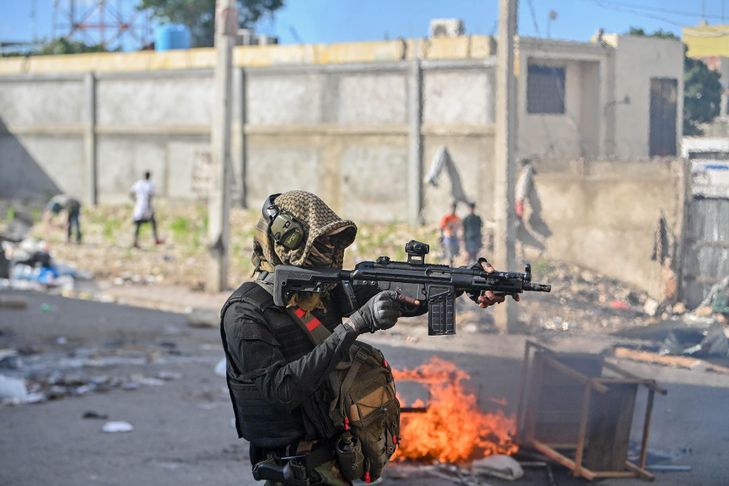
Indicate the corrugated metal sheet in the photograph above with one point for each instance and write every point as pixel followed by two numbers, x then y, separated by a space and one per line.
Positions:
pixel 707 256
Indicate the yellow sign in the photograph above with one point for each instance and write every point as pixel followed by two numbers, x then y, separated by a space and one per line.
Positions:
pixel 707 40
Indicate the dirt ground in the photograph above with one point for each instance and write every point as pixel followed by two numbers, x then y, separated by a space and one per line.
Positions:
pixel 159 376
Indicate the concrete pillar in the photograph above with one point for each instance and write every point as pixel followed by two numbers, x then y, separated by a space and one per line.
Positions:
pixel 238 155
pixel 90 139
pixel 226 25
pixel 506 314
pixel 415 140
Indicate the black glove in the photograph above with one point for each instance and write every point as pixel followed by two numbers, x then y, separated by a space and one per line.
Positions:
pixel 380 312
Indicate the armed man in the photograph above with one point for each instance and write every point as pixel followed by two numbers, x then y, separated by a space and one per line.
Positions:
pixel 316 405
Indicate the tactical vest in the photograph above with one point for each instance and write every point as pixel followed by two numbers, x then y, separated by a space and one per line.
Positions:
pixel 260 422
pixel 360 396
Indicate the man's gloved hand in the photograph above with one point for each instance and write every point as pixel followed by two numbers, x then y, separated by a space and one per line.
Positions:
pixel 487 297
pixel 380 312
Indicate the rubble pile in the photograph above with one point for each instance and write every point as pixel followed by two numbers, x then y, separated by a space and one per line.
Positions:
pixel 30 376
pixel 585 300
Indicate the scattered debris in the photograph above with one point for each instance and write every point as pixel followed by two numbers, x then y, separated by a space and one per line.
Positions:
pixel 676 361
pixel 220 368
pixel 13 390
pixel 94 415
pixel 669 468
pixel 117 427
pixel 198 317
pixel 13 303
pixel 619 305
pixel 499 466
pixel 10 359
pixel 701 343
pixel 651 307
pixel 169 375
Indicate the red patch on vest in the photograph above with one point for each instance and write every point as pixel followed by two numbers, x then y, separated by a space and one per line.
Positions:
pixel 313 324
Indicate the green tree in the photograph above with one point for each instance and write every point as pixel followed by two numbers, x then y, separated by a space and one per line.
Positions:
pixel 67 46
pixel 199 15
pixel 701 95
pixel 701 87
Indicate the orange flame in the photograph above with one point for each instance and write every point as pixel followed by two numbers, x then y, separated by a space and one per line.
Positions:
pixel 453 429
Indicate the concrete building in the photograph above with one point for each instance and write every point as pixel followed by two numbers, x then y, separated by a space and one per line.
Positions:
pixel 615 98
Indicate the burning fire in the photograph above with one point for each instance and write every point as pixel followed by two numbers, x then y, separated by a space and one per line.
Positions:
pixel 453 429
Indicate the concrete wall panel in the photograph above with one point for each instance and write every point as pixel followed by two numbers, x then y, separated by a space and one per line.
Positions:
pixel 374 182
pixel 188 169
pixel 46 103
pixel 38 167
pixel 174 100
pixel 279 100
pixel 373 99
pixel 123 160
pixel 458 97
pixel 279 166
pixel 473 157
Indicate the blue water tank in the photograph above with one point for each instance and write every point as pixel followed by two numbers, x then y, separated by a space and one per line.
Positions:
pixel 171 36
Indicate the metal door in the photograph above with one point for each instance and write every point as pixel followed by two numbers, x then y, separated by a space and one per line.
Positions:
pixel 706 260
pixel 663 116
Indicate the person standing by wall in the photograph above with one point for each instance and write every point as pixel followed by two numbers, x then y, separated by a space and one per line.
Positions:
pixel 142 193
pixel 450 226
pixel 72 206
pixel 472 228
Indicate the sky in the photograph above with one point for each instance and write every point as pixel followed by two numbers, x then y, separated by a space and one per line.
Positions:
pixel 327 21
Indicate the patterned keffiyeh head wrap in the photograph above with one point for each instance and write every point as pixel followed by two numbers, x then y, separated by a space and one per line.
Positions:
pixel 326 235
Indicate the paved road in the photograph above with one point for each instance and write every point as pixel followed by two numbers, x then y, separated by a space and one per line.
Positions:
pixel 183 433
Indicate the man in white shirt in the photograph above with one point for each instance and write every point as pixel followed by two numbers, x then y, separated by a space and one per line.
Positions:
pixel 142 192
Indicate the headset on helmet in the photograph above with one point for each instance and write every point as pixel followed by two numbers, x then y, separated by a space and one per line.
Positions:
pixel 283 227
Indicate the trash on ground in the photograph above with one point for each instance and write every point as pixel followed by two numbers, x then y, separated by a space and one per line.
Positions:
pixel 499 466
pixel 199 317
pixel 701 343
pixel 117 427
pixel 169 375
pixel 13 303
pixel 90 414
pixel 220 368
pixel 669 467
pixel 675 361
pixel 10 359
pixel 13 390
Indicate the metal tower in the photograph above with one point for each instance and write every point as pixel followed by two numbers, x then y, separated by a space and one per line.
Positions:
pixel 113 24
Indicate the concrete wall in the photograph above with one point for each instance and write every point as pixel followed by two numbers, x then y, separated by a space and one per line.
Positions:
pixel 325 128
pixel 603 215
pixel 357 123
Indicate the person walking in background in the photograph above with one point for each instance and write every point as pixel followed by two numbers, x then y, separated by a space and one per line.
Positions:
pixel 531 229
pixel 524 187
pixel 450 225
pixel 72 206
pixel 472 228
pixel 142 193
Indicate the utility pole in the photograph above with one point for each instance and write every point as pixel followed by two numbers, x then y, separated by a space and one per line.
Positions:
pixel 506 314
pixel 226 27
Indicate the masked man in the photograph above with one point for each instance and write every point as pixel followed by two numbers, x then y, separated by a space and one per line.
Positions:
pixel 282 363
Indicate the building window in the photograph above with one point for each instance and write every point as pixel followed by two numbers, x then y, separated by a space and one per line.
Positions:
pixel 545 89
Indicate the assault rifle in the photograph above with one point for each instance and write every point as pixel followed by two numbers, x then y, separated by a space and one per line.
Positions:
pixel 435 285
